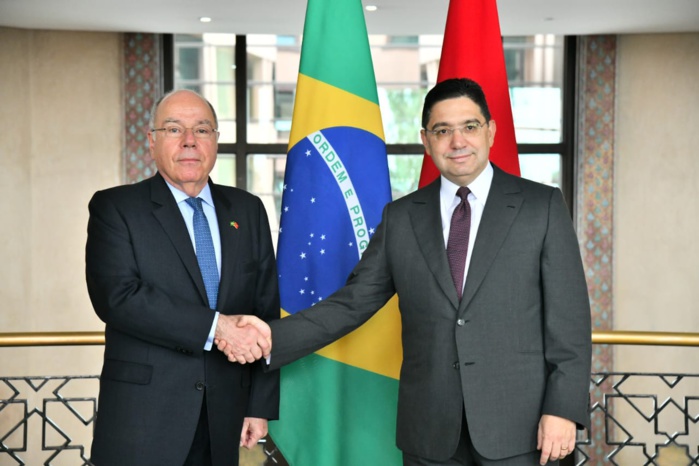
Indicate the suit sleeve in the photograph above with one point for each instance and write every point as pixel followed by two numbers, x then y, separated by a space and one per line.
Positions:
pixel 369 286
pixel 264 393
pixel 566 318
pixel 123 294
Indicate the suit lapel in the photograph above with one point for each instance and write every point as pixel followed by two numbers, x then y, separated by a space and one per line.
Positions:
pixel 501 208
pixel 426 220
pixel 167 212
pixel 229 229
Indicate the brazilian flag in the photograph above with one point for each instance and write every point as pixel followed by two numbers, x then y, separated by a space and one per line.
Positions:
pixel 338 406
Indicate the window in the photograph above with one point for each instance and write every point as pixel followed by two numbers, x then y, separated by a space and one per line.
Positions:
pixel 251 80
pixel 206 64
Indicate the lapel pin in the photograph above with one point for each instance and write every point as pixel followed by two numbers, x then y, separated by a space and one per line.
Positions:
pixel 234 225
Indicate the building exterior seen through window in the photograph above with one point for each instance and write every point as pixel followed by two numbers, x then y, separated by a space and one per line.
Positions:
pixel 405 67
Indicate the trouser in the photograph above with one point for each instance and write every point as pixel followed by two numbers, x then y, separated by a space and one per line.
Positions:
pixel 466 455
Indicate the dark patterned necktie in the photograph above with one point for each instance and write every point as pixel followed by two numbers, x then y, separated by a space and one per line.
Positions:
pixel 457 244
pixel 206 256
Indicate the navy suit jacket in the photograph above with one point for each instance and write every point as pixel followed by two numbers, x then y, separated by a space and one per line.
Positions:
pixel 145 284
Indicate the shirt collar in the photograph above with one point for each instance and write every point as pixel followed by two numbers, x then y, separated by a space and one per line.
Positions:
pixel 479 187
pixel 181 196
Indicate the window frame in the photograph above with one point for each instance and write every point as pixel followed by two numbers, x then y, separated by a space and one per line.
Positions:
pixel 566 148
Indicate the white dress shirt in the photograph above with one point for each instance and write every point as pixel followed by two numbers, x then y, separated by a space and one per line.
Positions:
pixel 448 201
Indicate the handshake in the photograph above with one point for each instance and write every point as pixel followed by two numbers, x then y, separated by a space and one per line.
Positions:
pixel 243 338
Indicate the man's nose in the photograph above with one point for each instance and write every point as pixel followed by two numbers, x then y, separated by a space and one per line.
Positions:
pixel 188 138
pixel 458 139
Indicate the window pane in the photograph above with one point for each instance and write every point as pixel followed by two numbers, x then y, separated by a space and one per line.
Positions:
pixel 404 171
pixel 273 67
pixel 401 110
pixel 266 180
pixel 543 168
pixel 535 74
pixel 206 63
pixel 537 114
pixel 224 170
pixel 405 67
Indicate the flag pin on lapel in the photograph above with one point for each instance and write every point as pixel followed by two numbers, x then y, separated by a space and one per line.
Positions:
pixel 234 225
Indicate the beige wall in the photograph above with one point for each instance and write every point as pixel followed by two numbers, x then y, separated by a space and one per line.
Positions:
pixel 60 114
pixel 656 223
pixel 656 199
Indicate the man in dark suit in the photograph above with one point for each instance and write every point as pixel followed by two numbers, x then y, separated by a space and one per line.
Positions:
pixel 493 301
pixel 154 255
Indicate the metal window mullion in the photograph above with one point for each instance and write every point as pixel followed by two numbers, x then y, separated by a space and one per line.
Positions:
pixel 568 159
pixel 241 113
pixel 167 49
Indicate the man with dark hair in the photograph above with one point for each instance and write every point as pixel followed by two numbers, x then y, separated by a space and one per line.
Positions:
pixel 451 89
pixel 493 300
pixel 172 263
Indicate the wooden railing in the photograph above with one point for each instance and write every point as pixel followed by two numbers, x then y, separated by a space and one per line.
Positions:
pixel 612 337
pixel 52 339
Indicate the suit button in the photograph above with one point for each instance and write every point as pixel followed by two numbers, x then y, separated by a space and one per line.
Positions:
pixel 455 365
pixel 199 386
pixel 460 322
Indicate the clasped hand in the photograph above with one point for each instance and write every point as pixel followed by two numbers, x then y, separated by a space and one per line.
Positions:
pixel 243 338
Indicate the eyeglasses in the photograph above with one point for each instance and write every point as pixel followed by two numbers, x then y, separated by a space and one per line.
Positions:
pixel 472 128
pixel 177 131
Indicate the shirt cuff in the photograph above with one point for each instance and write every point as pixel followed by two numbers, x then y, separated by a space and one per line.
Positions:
pixel 212 332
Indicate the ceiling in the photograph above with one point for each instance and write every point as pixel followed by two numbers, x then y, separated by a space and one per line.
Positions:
pixel 394 17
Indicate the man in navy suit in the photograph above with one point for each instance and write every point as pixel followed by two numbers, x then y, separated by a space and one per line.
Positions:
pixel 167 398
pixel 496 347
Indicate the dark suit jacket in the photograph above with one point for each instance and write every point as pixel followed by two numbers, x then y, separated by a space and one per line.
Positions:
pixel 516 347
pixel 145 284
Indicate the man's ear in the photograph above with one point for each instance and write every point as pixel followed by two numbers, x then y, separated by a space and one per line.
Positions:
pixel 492 127
pixel 425 141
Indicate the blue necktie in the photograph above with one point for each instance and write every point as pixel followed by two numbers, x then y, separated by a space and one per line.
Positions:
pixel 206 256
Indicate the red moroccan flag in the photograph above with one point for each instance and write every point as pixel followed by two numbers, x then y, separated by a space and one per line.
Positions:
pixel 472 49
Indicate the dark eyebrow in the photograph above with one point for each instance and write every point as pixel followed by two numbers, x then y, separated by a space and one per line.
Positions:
pixel 439 124
pixel 443 124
